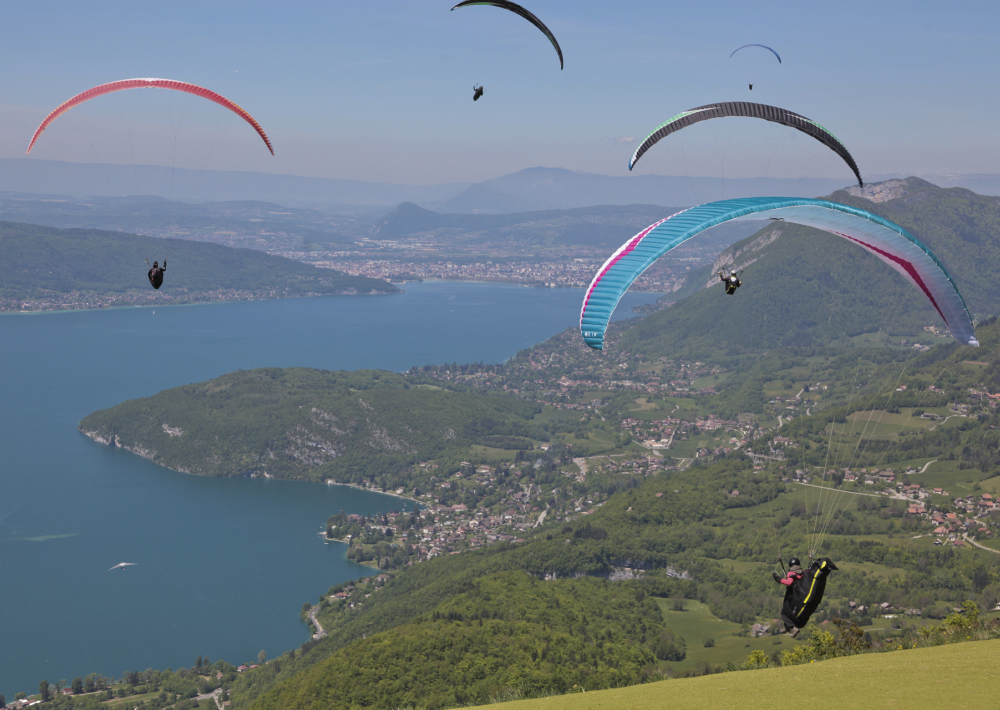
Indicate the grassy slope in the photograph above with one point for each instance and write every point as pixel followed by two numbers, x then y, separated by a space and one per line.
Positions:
pixel 697 622
pixel 920 678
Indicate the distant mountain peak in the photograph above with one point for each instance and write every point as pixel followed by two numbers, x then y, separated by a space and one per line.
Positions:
pixel 891 189
pixel 407 208
pixel 880 192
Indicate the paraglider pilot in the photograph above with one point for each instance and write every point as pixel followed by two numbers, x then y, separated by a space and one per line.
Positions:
pixel 803 591
pixel 156 274
pixel 477 92
pixel 793 575
pixel 732 282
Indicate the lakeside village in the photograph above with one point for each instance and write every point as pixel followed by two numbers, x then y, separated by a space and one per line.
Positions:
pixel 573 272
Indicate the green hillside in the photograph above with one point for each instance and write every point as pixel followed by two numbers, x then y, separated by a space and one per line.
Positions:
pixel 682 538
pixel 310 424
pixel 804 287
pixel 502 631
pixel 703 553
pixel 687 537
pixel 918 679
pixel 39 262
pixel 961 227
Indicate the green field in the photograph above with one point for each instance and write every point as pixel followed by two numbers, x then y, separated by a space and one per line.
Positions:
pixel 710 381
pixel 915 679
pixel 696 623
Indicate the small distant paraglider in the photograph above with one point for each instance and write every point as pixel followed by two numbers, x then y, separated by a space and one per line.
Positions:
pixel 477 91
pixel 155 273
pixel 756 45
pixel 123 565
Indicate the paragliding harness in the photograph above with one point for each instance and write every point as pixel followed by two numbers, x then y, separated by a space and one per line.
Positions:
pixel 803 596
pixel 732 282
pixel 155 273
pixel 477 92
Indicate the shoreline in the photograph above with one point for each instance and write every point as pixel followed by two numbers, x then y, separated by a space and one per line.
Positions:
pixel 208 302
pixel 403 496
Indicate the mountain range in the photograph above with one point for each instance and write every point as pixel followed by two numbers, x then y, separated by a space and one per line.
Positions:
pixel 538 188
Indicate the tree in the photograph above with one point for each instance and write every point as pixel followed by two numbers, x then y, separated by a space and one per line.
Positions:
pixel 77 685
pixel 43 688
pixel 262 656
pixel 3 702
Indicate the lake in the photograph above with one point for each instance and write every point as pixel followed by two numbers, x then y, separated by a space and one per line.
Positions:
pixel 223 566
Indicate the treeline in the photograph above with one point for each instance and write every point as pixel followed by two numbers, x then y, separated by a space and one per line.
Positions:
pixel 508 630
pixel 177 689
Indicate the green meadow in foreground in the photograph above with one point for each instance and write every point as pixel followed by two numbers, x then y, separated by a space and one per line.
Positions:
pixel 912 679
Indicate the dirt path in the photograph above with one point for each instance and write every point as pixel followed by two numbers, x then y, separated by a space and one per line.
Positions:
pixel 965 537
pixel 541 518
pixel 853 493
pixel 320 631
pixel 214 695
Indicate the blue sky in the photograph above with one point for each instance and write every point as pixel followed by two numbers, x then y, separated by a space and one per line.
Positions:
pixel 381 90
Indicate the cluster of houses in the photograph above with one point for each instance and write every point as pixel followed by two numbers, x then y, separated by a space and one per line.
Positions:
pixel 574 273
pixel 659 434
pixel 952 526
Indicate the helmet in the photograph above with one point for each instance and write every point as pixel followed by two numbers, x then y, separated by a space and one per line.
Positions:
pixel 794 561
pixel 155 264
pixel 733 273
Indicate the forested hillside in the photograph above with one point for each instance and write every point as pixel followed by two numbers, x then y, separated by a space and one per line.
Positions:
pixel 312 424
pixel 502 631
pixel 961 228
pixel 44 262
pixel 708 534
pixel 804 287
pixel 679 534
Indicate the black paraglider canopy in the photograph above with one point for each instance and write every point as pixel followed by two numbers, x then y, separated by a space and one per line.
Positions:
pixel 518 10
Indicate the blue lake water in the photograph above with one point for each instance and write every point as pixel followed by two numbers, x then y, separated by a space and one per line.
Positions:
pixel 223 565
